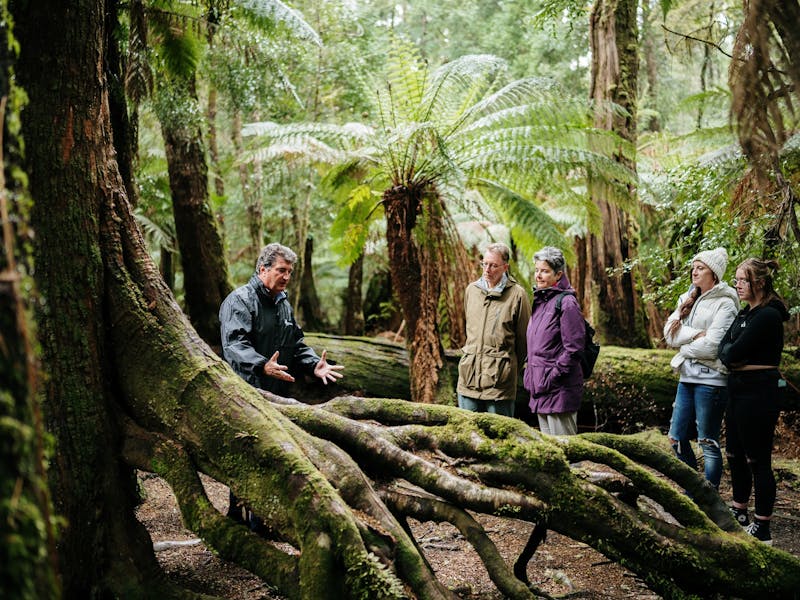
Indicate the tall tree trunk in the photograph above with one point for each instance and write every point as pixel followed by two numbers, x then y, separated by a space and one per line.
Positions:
pixel 313 319
pixel 63 47
pixel 27 567
pixel 608 287
pixel 353 312
pixel 250 183
pixel 213 144
pixel 650 8
pixel 205 270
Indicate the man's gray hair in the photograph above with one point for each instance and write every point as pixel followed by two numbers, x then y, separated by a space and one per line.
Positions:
pixel 499 248
pixel 552 256
pixel 272 251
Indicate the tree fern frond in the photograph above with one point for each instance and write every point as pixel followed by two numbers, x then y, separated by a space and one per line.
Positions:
pixel 520 92
pixel 342 177
pixel 154 233
pixel 276 11
pixel 299 150
pixel 400 94
pixel 458 84
pixel 533 227
pixel 177 42
pixel 351 227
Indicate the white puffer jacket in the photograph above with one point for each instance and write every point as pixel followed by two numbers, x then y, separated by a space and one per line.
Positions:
pixel 712 313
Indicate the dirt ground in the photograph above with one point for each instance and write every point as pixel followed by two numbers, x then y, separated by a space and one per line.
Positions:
pixel 560 567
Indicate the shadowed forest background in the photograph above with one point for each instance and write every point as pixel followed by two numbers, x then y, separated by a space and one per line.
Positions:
pixel 152 147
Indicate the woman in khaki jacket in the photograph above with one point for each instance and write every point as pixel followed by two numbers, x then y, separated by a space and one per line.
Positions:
pixel 497 311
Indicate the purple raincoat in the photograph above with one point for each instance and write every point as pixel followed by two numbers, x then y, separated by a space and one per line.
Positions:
pixel 553 375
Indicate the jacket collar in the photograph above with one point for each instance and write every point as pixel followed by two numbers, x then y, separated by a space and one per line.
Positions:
pixel 262 291
pixel 501 285
pixel 562 285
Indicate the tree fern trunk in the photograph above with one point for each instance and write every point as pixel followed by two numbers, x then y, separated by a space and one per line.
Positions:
pixel 414 275
pixel 353 312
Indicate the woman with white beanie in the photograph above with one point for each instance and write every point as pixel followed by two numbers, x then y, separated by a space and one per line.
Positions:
pixel 696 327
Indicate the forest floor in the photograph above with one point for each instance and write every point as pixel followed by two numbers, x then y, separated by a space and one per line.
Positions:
pixel 561 566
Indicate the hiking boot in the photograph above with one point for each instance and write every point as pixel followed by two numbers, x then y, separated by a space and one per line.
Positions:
pixel 759 529
pixel 740 514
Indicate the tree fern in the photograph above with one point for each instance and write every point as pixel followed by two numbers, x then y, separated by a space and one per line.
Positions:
pixel 275 11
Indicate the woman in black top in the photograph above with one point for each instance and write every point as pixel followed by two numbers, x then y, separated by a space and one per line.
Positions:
pixel 751 349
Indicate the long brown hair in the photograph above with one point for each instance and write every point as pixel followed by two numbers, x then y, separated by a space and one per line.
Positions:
pixel 685 309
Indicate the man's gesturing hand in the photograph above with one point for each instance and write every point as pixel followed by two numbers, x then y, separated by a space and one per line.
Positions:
pixel 327 372
pixel 273 369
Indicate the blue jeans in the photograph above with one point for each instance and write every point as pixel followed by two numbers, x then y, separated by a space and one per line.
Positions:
pixel 704 405
pixel 500 407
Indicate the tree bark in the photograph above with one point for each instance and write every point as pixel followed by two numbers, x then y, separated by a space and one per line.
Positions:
pixel 250 182
pixel 311 311
pixel 413 268
pixel 353 314
pixel 27 553
pixel 75 184
pixel 205 271
pixel 609 290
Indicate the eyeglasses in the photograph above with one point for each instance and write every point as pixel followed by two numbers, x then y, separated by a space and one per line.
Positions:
pixel 736 282
pixel 491 266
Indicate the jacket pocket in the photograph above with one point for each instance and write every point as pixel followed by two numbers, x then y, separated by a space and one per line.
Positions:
pixel 466 370
pixel 495 370
pixel 542 379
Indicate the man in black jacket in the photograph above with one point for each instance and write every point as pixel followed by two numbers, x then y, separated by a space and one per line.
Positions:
pixel 261 340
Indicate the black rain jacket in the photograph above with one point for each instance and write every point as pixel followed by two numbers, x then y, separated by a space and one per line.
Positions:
pixel 254 327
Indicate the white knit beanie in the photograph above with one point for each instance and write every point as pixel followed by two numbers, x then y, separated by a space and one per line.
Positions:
pixel 716 259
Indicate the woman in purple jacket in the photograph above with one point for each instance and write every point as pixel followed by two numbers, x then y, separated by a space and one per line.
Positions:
pixel 555 341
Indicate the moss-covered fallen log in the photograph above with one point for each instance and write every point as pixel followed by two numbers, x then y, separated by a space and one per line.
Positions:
pixel 631 388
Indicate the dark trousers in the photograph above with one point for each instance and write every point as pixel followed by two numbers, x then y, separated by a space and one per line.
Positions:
pixel 750 420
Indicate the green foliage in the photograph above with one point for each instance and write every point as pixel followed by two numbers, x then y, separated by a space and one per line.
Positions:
pixel 521 145
pixel 178 46
pixel 351 228
pixel 267 13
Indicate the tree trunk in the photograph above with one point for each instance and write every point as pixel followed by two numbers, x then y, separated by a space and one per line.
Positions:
pixel 250 182
pixel 313 318
pixel 213 144
pixel 128 378
pixel 27 553
pixel 76 185
pixel 413 270
pixel 609 289
pixel 205 271
pixel 650 12
pixel 353 313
